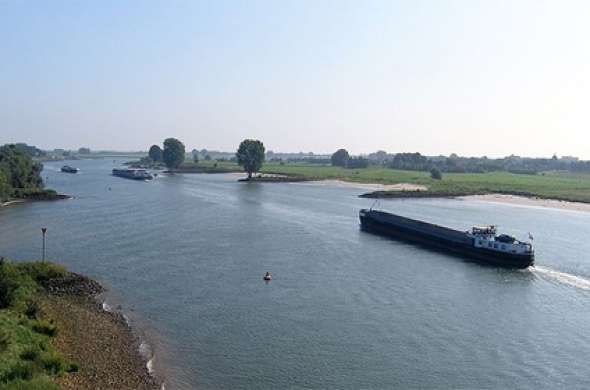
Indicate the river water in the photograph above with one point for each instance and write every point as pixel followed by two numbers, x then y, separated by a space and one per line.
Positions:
pixel 184 257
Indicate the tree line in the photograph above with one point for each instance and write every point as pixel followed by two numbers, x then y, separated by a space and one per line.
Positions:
pixel 457 164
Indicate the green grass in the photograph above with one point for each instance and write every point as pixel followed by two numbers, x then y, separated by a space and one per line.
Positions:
pixel 549 185
pixel 27 358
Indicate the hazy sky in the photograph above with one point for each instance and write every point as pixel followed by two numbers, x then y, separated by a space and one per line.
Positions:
pixel 470 77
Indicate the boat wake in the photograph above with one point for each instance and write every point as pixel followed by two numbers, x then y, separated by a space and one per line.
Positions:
pixel 562 277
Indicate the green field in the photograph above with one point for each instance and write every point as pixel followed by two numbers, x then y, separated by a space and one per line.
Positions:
pixel 549 185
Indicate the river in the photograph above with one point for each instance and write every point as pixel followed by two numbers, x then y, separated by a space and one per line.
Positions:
pixel 184 257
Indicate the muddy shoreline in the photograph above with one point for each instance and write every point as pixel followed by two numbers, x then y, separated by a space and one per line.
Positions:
pixel 100 342
pixel 13 202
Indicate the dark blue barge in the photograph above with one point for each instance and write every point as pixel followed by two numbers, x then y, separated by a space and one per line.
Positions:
pixel 481 244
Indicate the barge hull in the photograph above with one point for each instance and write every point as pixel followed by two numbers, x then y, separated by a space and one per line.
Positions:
pixel 441 239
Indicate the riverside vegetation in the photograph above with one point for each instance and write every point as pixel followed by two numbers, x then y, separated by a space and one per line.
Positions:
pixel 566 179
pixel 28 359
pixel 55 335
pixel 558 185
pixel 20 175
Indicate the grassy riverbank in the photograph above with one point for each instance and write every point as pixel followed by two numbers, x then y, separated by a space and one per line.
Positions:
pixel 547 185
pixel 550 185
pixel 28 358
pixel 53 335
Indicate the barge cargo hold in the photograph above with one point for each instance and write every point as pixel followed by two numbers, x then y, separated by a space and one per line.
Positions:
pixel 134 174
pixel 480 244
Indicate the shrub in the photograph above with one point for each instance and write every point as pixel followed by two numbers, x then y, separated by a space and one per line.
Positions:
pixel 32 309
pixel 74 367
pixel 20 370
pixel 435 174
pixel 42 271
pixel 45 327
pixel 12 285
pixel 54 364
pixel 4 340
pixel 29 354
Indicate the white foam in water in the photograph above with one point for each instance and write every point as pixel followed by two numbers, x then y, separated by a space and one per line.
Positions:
pixel 126 320
pixel 565 278
pixel 146 351
pixel 106 307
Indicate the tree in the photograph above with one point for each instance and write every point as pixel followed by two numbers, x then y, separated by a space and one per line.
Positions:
pixel 435 173
pixel 357 162
pixel 410 161
pixel 5 188
pixel 18 171
pixel 340 158
pixel 173 154
pixel 250 155
pixel 155 153
pixel 32 151
pixel 84 151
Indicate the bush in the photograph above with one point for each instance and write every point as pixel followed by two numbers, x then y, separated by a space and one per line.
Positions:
pixel 43 271
pixel 73 368
pixel 45 327
pixel 20 370
pixel 4 340
pixel 29 354
pixel 14 286
pixel 435 174
pixel 32 309
pixel 54 364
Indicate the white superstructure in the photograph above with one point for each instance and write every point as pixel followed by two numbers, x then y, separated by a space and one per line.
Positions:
pixel 485 237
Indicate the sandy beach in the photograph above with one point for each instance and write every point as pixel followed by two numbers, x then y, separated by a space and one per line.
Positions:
pixel 529 202
pixel 373 186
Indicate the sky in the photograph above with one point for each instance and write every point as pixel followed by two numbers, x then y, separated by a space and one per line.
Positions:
pixel 469 77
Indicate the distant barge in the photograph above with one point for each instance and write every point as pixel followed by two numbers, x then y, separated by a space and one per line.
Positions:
pixel 69 169
pixel 134 174
pixel 480 244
